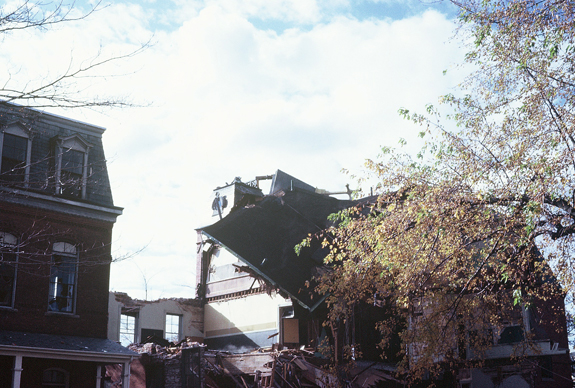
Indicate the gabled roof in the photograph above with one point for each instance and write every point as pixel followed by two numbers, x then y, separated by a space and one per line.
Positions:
pixel 264 236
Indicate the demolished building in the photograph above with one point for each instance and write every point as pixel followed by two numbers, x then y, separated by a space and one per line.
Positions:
pixel 258 234
pixel 249 255
pixel 173 319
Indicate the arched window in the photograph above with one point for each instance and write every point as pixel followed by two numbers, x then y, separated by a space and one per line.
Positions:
pixel 8 268
pixel 55 378
pixel 63 278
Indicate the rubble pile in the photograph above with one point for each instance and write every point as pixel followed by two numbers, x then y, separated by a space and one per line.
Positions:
pixel 284 369
pixel 164 350
pixel 291 369
pixel 166 366
pixel 162 362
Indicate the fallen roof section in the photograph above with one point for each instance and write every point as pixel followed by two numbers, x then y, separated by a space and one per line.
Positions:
pixel 264 237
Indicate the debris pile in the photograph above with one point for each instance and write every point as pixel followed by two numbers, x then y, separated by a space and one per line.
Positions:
pixel 158 347
pixel 162 364
pixel 189 364
pixel 290 369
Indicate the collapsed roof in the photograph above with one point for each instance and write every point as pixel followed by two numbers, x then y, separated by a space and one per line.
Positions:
pixel 264 235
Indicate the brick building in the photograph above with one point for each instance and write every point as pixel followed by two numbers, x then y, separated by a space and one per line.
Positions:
pixel 57 215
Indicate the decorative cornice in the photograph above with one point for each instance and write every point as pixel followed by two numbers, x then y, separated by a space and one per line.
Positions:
pixel 60 205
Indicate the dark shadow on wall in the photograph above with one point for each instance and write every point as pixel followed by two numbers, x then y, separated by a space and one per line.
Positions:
pixel 241 343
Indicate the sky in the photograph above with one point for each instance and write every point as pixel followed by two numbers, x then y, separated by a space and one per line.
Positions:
pixel 236 88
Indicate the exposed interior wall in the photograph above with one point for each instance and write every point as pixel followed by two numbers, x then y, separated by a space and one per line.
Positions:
pixel 243 323
pixel 151 315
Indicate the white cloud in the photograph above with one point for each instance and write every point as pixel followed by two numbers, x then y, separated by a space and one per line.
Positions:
pixel 301 11
pixel 229 99
pixel 233 100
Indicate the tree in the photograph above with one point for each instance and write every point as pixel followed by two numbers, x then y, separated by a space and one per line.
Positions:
pixel 62 88
pixel 481 222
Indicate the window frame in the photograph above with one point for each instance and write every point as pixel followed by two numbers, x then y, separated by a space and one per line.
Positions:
pixel 63 145
pixel 546 368
pixel 69 251
pixel 166 332
pixel 19 130
pixel 14 244
pixel 135 329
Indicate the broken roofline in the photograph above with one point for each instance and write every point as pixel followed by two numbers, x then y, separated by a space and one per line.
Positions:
pixel 264 276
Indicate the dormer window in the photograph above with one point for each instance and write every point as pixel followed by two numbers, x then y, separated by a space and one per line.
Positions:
pixel 71 166
pixel 15 154
pixel 72 173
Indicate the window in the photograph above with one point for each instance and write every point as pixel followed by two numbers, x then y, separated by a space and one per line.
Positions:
pixel 173 325
pixel 63 278
pixel 54 378
pixel 546 365
pixel 72 173
pixel 8 267
pixel 149 333
pixel 15 153
pixel 127 329
pixel 511 334
pixel 71 164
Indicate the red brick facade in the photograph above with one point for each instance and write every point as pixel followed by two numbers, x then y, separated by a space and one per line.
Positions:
pixel 56 219
pixel 30 312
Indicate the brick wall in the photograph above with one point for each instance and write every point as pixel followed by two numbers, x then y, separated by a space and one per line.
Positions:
pixel 38 230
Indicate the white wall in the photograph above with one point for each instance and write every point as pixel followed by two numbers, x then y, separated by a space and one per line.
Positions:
pixel 152 315
pixel 247 314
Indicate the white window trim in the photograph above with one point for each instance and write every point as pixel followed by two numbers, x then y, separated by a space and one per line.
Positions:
pixel 180 324
pixel 77 143
pixel 20 130
pixel 136 317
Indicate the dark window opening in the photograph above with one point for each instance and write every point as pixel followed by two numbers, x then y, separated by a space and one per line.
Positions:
pixel 72 173
pixel 546 365
pixel 14 151
pixel 54 378
pixel 7 277
pixel 62 283
pixel 511 334
pixel 154 333
pixel 8 266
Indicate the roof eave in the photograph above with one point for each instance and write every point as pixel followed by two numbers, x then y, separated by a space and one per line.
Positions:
pixel 61 354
